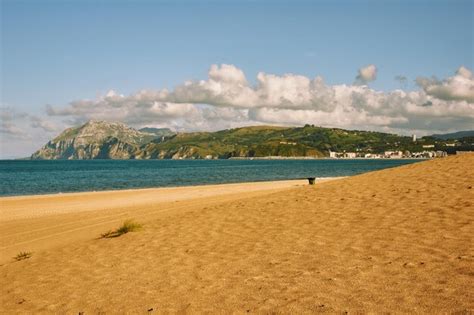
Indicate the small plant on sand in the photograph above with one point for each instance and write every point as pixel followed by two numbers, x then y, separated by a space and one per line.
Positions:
pixel 127 226
pixel 22 256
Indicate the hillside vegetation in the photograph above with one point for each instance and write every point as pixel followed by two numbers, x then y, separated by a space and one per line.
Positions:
pixel 104 140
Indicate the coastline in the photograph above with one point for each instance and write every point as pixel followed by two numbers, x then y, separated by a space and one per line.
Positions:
pixel 402 234
pixel 54 177
pixel 184 187
pixel 322 158
pixel 276 157
pixel 27 221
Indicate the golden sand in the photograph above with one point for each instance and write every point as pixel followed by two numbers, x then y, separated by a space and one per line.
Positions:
pixel 397 240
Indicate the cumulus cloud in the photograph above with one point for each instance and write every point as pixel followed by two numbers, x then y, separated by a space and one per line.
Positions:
pixel 142 107
pixel 18 124
pixel 371 110
pixel 148 108
pixel 8 123
pixel 227 86
pixel 10 129
pixel 366 74
pixel 337 118
pixel 459 87
pixel 464 72
pixel 45 125
pixel 227 99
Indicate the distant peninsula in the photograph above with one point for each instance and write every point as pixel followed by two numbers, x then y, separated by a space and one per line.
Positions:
pixel 115 140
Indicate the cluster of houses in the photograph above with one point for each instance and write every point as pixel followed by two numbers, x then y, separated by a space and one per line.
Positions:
pixel 288 142
pixel 387 155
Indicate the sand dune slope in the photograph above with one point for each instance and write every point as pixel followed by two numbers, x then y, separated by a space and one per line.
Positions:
pixel 397 240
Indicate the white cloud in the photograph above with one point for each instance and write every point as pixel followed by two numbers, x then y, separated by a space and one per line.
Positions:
pixel 46 125
pixel 459 87
pixel 228 86
pixel 227 99
pixel 366 74
pixel 464 72
pixel 227 73
pixel 337 118
pixel 8 123
pixel 140 108
pixel 22 133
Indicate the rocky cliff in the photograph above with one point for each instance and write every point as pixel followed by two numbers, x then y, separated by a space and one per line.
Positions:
pixel 98 140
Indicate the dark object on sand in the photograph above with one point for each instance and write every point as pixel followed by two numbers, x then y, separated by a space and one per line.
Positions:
pixel 311 180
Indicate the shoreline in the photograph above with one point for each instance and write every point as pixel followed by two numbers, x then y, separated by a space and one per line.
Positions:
pixel 231 158
pixel 127 190
pixel 41 222
pixel 320 158
pixel 37 206
pixel 402 234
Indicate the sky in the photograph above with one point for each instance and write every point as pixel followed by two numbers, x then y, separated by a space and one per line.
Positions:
pixel 393 66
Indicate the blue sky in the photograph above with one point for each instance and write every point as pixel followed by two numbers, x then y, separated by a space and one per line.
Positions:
pixel 56 52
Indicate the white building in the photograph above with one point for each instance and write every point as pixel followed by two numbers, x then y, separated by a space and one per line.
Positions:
pixel 393 154
pixel 441 154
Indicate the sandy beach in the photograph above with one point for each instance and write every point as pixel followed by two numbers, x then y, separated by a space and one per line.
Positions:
pixel 398 240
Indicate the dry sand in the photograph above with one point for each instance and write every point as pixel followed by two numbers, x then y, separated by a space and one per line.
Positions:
pixel 397 240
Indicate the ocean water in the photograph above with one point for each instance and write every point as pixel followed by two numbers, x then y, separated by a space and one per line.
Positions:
pixel 22 177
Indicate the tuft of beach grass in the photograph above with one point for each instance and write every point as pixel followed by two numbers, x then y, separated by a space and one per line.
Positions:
pixel 126 227
pixel 23 256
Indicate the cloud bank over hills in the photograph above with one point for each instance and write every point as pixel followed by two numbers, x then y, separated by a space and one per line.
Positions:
pixel 227 99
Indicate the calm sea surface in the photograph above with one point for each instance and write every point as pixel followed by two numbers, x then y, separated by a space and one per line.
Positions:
pixel 42 177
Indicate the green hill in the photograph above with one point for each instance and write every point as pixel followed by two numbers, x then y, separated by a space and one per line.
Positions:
pixel 262 141
pixel 103 140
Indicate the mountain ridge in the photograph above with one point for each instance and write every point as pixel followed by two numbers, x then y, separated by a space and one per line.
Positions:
pixel 454 135
pixel 115 140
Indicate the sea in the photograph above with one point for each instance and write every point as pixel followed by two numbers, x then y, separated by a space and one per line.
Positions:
pixel 24 177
